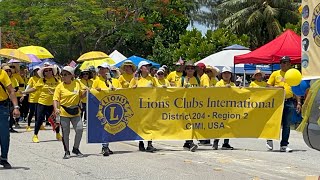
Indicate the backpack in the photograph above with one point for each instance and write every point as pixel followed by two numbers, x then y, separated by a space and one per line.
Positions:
pixel 182 80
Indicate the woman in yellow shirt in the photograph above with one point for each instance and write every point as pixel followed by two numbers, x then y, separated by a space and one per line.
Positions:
pixel 15 85
pixel 143 79
pixel 46 86
pixel 128 68
pixel 212 73
pixel 160 79
pixel 85 80
pixel 258 80
pixel 66 100
pixel 33 97
pixel 226 76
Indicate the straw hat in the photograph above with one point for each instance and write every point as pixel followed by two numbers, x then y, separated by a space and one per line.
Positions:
pixel 40 72
pixel 258 71
pixel 5 67
pixel 214 70
pixel 189 63
pixel 128 63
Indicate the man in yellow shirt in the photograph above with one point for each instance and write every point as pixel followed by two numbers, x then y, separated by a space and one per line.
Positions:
pixel 175 76
pixel 258 80
pixel 277 80
pixel 6 92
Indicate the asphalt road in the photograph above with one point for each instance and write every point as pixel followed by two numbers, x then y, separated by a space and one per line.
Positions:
pixel 249 160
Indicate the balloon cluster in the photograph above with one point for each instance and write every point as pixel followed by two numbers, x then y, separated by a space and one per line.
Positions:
pixel 293 78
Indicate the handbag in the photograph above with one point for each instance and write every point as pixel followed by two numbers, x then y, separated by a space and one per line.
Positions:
pixel 74 110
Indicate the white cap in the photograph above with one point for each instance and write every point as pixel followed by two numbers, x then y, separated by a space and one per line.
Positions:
pixel 226 69
pixel 104 65
pixel 46 64
pixel 36 67
pixel 69 69
pixel 143 63
pixel 164 66
pixel 160 70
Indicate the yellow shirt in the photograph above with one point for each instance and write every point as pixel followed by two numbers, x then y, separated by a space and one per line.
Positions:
pixel 212 82
pixel 174 77
pixel 205 80
pixel 5 80
pixel 100 82
pixel 68 95
pixel 143 82
pixel 21 83
pixel 46 90
pixel 277 79
pixel 222 83
pixel 162 82
pixel 33 97
pixel 189 82
pixel 125 79
pixel 257 84
pixel 86 83
pixel 14 83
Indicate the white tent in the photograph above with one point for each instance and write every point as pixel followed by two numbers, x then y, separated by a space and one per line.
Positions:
pixel 117 56
pixel 225 58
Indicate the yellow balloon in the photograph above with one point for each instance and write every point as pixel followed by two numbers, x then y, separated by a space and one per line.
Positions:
pixel 293 77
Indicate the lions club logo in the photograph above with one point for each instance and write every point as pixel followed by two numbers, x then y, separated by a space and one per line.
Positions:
pixel 114 113
pixel 315 25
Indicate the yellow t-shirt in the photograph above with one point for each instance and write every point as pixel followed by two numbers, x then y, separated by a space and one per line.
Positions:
pixel 212 82
pixel 257 84
pixel 125 80
pixel 174 77
pixel 33 97
pixel 162 82
pixel 86 83
pixel 46 90
pixel 68 95
pixel 5 80
pixel 143 82
pixel 204 80
pixel 190 82
pixel 222 83
pixel 277 79
pixel 100 82
pixel 21 83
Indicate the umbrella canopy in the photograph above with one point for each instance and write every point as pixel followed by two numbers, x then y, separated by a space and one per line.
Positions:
pixel 96 63
pixel 136 60
pixel 32 57
pixel 117 56
pixel 14 54
pixel 40 52
pixel 93 55
pixel 287 44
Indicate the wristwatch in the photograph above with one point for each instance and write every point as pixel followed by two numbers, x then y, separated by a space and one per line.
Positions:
pixel 16 107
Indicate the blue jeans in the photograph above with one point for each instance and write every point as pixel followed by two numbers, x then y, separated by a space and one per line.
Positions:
pixel 4 131
pixel 288 111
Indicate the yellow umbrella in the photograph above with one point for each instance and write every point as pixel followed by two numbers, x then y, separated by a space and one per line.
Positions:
pixel 14 54
pixel 96 63
pixel 93 55
pixel 40 52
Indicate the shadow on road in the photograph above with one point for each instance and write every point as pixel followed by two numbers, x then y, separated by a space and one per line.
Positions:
pixel 15 168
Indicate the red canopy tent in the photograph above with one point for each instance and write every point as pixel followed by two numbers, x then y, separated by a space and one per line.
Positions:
pixel 287 44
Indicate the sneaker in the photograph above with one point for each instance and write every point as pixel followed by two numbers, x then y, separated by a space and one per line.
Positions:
pixel 77 152
pixel 35 139
pixel 226 147
pixel 58 137
pixel 193 147
pixel 285 149
pixel 186 146
pixel 110 152
pixel 42 127
pixel 5 164
pixel 28 129
pixel 105 151
pixel 141 146
pixel 66 155
pixel 150 148
pixel 17 125
pixel 204 142
pixel 13 131
pixel 269 145
pixel 215 145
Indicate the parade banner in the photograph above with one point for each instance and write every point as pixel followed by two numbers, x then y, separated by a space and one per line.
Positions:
pixel 310 39
pixel 184 113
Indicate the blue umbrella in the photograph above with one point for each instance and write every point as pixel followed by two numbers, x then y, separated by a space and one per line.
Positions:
pixel 136 60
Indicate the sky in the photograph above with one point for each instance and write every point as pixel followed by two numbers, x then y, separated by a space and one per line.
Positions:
pixel 198 26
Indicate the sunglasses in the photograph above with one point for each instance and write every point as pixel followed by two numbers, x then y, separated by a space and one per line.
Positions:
pixel 8 70
pixel 284 62
pixel 189 68
pixel 208 71
pixel 48 70
pixel 160 74
pixel 85 73
pixel 12 66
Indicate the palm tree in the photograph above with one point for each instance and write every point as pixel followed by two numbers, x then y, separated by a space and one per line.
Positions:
pixel 263 20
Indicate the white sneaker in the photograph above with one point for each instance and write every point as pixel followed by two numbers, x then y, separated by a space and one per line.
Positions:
pixel 285 149
pixel 269 145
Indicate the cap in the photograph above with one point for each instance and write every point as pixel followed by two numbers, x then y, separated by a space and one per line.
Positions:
pixel 226 69
pixel 201 65
pixel 143 63
pixel 69 69
pixel 160 70
pixel 164 66
pixel 285 59
pixel 189 63
pixel 104 65
pixel 46 64
pixel 258 71
pixel 36 67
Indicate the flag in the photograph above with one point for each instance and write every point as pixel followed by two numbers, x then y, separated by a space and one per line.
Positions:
pixel 73 64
